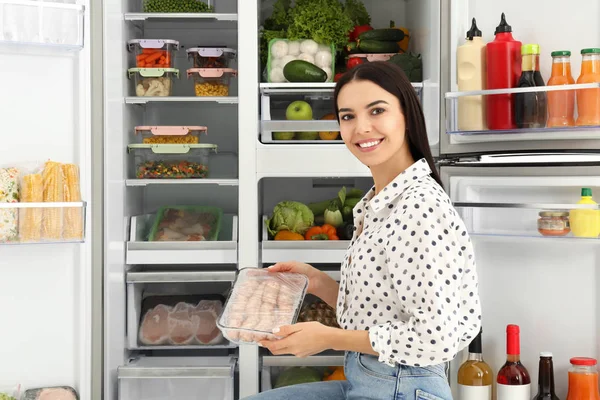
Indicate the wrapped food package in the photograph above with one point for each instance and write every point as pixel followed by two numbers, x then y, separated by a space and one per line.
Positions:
pixel 72 217
pixel 51 393
pixel 188 323
pixel 53 179
pixel 186 223
pixel 259 302
pixel 30 219
pixel 9 193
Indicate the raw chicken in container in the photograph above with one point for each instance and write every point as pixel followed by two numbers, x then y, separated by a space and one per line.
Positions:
pixel 154 329
pixel 182 325
pixel 178 224
pixel 207 312
pixel 51 393
pixel 259 302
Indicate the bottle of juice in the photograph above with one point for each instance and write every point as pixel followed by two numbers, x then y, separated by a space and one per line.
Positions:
pixel 561 103
pixel 503 60
pixel 588 100
pixel 583 379
pixel 585 222
pixel 531 109
pixel 470 75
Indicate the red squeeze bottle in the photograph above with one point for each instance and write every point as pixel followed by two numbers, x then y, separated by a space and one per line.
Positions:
pixel 503 71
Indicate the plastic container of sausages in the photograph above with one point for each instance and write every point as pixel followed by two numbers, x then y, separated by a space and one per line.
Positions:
pixel 259 302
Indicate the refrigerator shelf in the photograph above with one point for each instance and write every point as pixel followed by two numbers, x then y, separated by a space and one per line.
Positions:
pixel 32 23
pixel 174 17
pixel 147 182
pixel 221 251
pixel 309 251
pixel 69 215
pixel 529 206
pixel 180 99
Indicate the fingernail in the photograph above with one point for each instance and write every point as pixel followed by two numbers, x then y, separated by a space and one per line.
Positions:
pixel 276 330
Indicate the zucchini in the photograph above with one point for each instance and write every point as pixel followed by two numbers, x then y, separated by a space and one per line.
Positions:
pixel 303 71
pixel 377 46
pixel 385 34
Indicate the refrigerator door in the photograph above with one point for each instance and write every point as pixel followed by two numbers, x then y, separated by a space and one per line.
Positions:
pixel 526 19
pixel 546 285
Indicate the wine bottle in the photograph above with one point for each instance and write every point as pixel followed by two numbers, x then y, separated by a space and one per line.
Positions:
pixel 513 378
pixel 546 378
pixel 475 377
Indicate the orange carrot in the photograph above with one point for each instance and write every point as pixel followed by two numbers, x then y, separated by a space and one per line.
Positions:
pixel 153 57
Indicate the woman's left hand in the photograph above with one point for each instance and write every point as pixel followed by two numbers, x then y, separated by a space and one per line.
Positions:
pixel 302 339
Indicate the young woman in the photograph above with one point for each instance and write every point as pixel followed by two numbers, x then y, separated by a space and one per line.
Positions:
pixel 408 297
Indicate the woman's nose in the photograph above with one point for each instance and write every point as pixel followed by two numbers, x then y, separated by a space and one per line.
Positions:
pixel 363 125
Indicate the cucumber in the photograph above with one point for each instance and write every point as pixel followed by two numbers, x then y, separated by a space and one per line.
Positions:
pixel 303 71
pixel 385 34
pixel 377 46
pixel 352 48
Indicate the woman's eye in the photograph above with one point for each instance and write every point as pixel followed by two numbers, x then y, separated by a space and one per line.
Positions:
pixel 376 111
pixel 346 117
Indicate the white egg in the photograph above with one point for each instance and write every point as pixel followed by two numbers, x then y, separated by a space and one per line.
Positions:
pixel 309 46
pixel 277 75
pixel 323 59
pixel 306 57
pixel 279 49
pixel 294 48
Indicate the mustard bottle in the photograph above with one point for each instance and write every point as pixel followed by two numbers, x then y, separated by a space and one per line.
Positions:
pixel 585 222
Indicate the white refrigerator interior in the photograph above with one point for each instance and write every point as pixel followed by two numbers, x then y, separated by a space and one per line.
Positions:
pixel 549 286
pixel 45 288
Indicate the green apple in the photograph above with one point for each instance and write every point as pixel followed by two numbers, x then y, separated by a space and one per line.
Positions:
pixel 299 110
pixel 307 135
pixel 283 135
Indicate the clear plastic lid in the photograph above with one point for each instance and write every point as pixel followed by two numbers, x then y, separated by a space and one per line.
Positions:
pixel 172 148
pixel 170 130
pixel 211 72
pixel 374 57
pixel 152 72
pixel 212 51
pixel 152 43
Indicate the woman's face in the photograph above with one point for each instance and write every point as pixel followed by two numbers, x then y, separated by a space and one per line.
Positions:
pixel 371 122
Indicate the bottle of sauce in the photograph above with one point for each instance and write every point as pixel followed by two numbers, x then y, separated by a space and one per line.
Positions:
pixel 470 71
pixel 503 61
pixel 546 378
pixel 585 222
pixel 561 103
pixel 583 379
pixel 513 381
pixel 475 377
pixel 531 109
pixel 588 100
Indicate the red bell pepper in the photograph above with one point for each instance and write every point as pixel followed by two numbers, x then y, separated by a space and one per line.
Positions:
pixel 358 30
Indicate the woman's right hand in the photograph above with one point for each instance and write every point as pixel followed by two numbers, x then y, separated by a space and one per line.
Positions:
pixel 314 275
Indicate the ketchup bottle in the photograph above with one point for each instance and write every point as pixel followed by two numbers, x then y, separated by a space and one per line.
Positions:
pixel 503 71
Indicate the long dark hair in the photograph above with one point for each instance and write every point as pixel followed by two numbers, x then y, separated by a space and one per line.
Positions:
pixel 392 79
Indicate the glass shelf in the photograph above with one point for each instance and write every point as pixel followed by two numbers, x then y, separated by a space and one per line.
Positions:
pixel 42 223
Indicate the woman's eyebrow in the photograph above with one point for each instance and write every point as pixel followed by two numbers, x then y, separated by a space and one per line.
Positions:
pixel 367 106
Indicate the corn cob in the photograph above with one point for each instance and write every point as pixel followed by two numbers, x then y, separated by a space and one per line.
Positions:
pixel 73 216
pixel 30 219
pixel 53 192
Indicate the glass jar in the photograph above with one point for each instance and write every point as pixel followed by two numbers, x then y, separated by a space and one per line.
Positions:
pixel 553 223
pixel 583 379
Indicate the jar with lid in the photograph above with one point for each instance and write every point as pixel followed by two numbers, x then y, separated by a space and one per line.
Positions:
pixel 583 379
pixel 553 223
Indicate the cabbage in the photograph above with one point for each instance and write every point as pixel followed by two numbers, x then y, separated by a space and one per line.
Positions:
pixel 292 216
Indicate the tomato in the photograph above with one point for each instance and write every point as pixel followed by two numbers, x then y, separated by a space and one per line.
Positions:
pixel 353 62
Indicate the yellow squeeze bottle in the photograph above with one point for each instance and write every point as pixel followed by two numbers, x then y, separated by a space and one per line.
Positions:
pixel 585 222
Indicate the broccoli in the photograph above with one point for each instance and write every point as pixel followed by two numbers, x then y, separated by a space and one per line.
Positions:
pixel 411 64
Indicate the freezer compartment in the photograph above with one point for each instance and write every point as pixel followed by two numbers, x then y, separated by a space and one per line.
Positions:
pixel 46 23
pixel 211 82
pixel 259 302
pixel 153 53
pixel 169 161
pixel 300 113
pixel 281 371
pixel 169 310
pixel 563 112
pixel 142 251
pixel 211 57
pixel 170 134
pixel 152 82
pixel 46 222
pixel 181 378
pixel 177 6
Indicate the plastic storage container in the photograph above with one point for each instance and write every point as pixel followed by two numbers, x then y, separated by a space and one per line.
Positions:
pixel 170 134
pixel 211 57
pixel 177 6
pixel 171 161
pixel 282 51
pixel 373 57
pixel 211 81
pixel 186 223
pixel 150 82
pixel 153 53
pixel 181 378
pixel 259 302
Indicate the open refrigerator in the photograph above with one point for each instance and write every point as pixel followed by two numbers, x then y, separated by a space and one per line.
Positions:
pixel 498 181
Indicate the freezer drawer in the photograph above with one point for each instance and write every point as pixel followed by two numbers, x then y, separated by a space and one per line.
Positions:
pixel 177 378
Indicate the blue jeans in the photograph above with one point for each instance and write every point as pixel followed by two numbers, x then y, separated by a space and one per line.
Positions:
pixel 367 378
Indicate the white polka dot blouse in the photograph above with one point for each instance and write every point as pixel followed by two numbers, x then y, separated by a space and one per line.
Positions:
pixel 409 274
